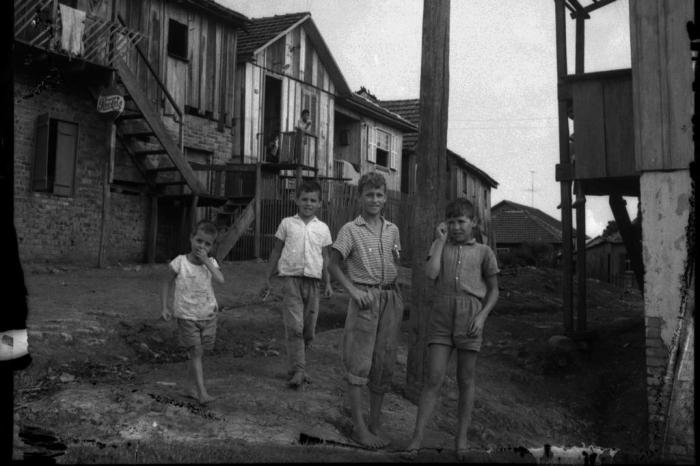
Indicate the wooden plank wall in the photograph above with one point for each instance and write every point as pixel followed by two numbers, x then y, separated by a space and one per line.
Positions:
pixel 285 59
pixel 662 75
pixel 205 81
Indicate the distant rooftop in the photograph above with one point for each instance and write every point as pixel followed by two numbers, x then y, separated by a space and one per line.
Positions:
pixel 515 223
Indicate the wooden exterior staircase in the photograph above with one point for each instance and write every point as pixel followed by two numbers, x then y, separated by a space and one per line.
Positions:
pixel 143 134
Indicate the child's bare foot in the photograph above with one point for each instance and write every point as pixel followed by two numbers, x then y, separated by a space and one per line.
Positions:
pixel 205 398
pixel 296 380
pixel 462 453
pixel 368 439
pixel 191 392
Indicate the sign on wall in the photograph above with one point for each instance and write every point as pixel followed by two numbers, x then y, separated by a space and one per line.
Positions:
pixel 110 100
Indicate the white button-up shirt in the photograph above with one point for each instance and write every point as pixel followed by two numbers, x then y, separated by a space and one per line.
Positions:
pixel 303 245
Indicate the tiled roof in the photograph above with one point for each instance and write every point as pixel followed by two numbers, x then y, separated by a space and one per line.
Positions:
pixel 515 223
pixel 388 115
pixel 410 110
pixel 261 30
pixel 220 11
pixel 615 238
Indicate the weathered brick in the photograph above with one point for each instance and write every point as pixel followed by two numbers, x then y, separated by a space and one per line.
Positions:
pixel 653 361
pixel 652 322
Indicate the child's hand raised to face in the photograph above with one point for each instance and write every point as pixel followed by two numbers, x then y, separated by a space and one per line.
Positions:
pixel 441 231
pixel 201 254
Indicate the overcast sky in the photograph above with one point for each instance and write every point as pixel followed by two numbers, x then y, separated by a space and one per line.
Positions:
pixel 503 102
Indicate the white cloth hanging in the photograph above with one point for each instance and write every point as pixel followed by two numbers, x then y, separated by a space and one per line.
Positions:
pixel 72 29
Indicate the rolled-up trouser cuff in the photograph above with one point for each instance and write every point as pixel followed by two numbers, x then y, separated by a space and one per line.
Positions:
pixel 356 380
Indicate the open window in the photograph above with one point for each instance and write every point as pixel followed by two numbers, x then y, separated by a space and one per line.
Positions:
pixel 55 156
pixel 382 148
pixel 177 40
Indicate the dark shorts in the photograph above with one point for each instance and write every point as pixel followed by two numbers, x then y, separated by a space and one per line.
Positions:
pixel 193 333
pixel 450 318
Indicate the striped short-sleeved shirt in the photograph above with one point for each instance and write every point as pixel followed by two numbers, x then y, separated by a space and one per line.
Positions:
pixel 368 255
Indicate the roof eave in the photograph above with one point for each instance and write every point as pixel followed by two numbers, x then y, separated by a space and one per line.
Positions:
pixel 376 114
pixel 221 12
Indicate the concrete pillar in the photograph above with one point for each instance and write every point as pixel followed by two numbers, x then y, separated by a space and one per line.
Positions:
pixel 665 204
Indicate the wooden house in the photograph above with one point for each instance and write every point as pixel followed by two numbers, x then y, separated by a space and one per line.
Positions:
pixel 124 107
pixel 607 260
pixel 284 67
pixel 369 137
pixel 464 178
pixel 516 226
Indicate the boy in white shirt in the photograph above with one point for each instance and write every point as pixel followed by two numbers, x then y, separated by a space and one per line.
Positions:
pixel 300 257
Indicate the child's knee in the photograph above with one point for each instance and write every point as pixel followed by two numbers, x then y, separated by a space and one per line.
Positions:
pixel 195 351
pixel 466 381
pixel 434 380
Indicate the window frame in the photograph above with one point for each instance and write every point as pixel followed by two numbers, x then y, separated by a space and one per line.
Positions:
pixel 54 170
pixel 184 28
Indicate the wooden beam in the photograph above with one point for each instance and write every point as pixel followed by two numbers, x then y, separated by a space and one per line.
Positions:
pixel 258 209
pixel 226 242
pixel 106 197
pixel 564 158
pixel 581 291
pixel 631 237
pixel 599 4
pixel 430 189
pixel 152 230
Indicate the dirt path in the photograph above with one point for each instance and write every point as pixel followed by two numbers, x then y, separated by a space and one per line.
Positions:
pixel 107 373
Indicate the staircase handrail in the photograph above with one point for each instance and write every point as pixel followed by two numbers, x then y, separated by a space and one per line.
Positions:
pixel 163 87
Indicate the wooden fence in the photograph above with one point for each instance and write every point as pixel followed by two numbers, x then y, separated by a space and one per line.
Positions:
pixel 339 205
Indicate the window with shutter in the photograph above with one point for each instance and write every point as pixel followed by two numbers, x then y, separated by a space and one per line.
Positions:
pixel 40 177
pixel 372 145
pixel 55 156
pixel 393 159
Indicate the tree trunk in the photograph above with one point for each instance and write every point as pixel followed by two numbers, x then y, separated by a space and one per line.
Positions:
pixel 431 160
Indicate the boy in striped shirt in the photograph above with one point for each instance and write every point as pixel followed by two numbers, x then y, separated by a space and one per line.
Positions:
pixel 369 246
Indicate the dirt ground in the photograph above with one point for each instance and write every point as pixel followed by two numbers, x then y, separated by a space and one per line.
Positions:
pixel 106 380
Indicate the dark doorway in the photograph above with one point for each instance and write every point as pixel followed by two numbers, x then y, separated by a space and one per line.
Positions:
pixel 272 114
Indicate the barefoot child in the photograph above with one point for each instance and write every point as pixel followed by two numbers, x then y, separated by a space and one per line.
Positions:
pixel 194 302
pixel 465 273
pixel 368 244
pixel 300 257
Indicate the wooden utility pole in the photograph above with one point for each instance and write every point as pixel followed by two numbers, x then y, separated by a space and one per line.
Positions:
pixel 564 169
pixel 580 201
pixel 430 186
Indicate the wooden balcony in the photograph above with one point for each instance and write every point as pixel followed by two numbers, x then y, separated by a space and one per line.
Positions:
pixel 56 28
pixel 291 147
pixel 603 139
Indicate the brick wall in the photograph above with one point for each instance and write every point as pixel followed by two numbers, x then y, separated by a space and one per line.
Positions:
pixel 67 229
